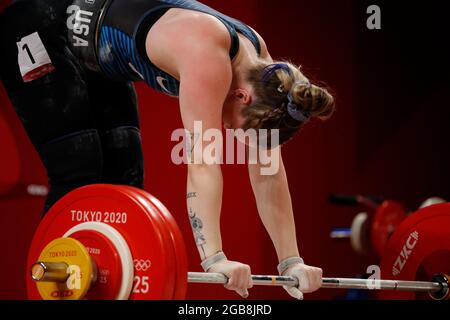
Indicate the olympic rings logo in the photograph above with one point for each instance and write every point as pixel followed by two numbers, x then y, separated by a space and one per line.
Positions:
pixel 142 265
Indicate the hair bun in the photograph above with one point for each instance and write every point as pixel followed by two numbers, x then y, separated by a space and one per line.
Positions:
pixel 312 99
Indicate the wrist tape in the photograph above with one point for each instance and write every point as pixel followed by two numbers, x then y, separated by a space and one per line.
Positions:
pixel 208 262
pixel 286 263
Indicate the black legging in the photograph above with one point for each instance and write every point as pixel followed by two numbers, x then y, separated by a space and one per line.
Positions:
pixel 85 127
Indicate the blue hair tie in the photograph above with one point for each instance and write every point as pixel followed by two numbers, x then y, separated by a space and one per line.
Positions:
pixel 294 110
pixel 272 68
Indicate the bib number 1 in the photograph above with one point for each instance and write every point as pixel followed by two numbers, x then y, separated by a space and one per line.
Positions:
pixel 34 61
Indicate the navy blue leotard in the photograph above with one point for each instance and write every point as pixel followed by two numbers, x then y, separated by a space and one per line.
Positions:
pixel 121 47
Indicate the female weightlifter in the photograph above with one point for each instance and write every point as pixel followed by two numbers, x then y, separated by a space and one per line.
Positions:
pixel 68 67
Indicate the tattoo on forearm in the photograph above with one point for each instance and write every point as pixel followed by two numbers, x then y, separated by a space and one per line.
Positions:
pixel 197 226
pixel 191 195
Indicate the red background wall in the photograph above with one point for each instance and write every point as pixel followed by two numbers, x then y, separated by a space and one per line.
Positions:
pixel 389 137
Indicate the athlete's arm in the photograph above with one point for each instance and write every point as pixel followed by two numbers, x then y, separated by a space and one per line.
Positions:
pixel 205 77
pixel 204 69
pixel 275 207
pixel 201 99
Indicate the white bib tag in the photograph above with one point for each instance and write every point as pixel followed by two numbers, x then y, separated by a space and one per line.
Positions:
pixel 34 61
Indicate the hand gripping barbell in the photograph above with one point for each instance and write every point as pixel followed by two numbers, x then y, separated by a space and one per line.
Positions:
pixel 95 244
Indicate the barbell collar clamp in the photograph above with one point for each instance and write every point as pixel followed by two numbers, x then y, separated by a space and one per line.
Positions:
pixel 49 271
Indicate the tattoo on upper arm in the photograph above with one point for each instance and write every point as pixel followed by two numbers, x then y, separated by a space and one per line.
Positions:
pixel 197 226
pixel 194 138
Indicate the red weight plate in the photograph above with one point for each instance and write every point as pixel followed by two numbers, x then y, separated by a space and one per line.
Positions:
pixel 165 233
pixel 387 218
pixel 176 241
pixel 431 265
pixel 419 248
pixel 121 208
pixel 178 244
pixel 107 261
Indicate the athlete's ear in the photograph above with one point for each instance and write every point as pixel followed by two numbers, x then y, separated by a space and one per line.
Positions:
pixel 243 96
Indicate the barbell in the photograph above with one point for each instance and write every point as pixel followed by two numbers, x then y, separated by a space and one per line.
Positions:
pixel 438 288
pixel 370 231
pixel 118 242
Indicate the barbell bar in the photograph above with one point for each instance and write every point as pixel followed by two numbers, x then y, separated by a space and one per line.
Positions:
pixel 49 271
pixel 343 283
pixel 438 288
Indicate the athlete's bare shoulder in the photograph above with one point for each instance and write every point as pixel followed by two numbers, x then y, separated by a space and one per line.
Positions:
pixel 264 50
pixel 184 32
